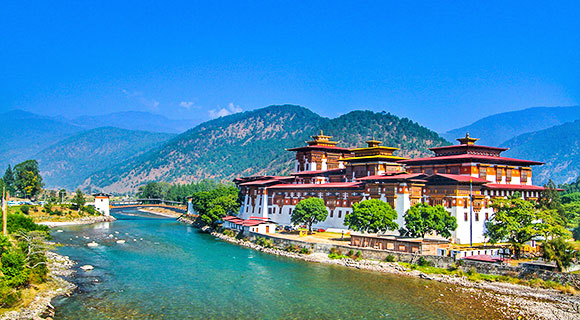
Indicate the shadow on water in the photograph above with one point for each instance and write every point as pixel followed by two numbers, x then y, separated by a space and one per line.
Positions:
pixel 168 270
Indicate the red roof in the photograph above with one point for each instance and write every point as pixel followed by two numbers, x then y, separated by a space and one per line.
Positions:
pixel 471 146
pixel 498 186
pixel 265 182
pixel 258 218
pixel 318 186
pixel 316 172
pixel 471 158
pixel 461 178
pixel 333 148
pixel 402 176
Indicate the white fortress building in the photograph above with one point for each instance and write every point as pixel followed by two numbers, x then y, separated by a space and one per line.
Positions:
pixel 462 178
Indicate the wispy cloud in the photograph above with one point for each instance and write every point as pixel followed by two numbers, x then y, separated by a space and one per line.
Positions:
pixel 230 109
pixel 150 104
pixel 186 104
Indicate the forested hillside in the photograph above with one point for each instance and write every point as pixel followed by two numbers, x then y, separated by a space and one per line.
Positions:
pixel 558 147
pixel 498 128
pixel 24 134
pixel 254 142
pixel 67 163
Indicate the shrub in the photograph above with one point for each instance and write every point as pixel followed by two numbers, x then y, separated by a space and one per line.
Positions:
pixel 229 232
pixel 19 222
pixel 25 209
pixel 390 258
pixel 423 262
pixel 14 268
pixel 304 250
pixel 264 242
pixel 351 253
pixel 292 248
pixel 9 297
pixel 48 208
pixel 471 271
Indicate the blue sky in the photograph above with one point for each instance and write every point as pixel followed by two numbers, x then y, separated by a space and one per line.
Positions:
pixel 443 64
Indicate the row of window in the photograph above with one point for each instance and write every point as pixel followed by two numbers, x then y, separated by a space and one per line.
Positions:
pixel 476 216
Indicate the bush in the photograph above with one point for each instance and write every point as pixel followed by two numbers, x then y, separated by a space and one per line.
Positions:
pixel 14 268
pixel 91 210
pixel 292 248
pixel 9 297
pixel 471 271
pixel 423 262
pixel 25 209
pixel 390 258
pixel 304 250
pixel 264 242
pixel 48 208
pixel 19 222
pixel 229 232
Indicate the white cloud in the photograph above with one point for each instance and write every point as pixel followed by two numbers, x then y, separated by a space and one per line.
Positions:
pixel 230 109
pixel 151 104
pixel 186 104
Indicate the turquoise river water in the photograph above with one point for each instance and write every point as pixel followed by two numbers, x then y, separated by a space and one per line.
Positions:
pixel 169 270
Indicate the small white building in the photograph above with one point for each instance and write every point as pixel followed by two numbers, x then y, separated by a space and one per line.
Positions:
pixel 253 224
pixel 102 203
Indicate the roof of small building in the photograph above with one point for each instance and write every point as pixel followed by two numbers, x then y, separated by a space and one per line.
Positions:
pixel 320 147
pixel 458 178
pixel 319 172
pixel 498 186
pixel 393 177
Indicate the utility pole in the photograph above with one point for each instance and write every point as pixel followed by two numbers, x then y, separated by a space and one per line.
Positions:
pixel 4 212
pixel 471 212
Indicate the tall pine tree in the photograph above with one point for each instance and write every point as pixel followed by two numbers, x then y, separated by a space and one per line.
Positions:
pixel 9 179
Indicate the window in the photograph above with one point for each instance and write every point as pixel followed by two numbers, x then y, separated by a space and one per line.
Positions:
pixel 486 216
pixel 508 175
pixel 465 216
pixel 477 216
pixel 331 213
pixel 339 213
pixel 482 172
pixel 290 211
pixel 524 176
pixel 498 175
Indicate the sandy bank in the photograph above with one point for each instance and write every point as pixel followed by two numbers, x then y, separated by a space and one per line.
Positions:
pixel 84 220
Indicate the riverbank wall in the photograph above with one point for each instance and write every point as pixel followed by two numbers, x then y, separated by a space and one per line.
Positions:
pixel 522 271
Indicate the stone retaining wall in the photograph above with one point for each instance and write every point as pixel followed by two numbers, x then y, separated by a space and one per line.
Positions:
pixel 436 261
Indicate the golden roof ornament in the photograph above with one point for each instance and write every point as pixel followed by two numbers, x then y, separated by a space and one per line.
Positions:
pixel 467 140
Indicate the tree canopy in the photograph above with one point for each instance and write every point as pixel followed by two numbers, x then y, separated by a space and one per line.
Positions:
pixel 518 221
pixel 422 219
pixel 371 216
pixel 79 199
pixel 309 211
pixel 27 179
pixel 559 251
pixel 215 204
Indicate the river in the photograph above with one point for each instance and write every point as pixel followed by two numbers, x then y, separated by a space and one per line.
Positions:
pixel 169 270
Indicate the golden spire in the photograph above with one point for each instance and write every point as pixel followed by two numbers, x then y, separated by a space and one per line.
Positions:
pixel 467 140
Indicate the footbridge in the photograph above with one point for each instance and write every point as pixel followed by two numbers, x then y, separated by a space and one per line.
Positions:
pixel 141 203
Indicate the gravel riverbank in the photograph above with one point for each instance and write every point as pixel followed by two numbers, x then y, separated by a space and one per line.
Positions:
pixel 84 220
pixel 514 300
pixel 40 308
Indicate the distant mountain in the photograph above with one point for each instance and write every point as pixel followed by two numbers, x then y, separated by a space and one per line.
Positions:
pixel 558 147
pixel 136 120
pixel 254 142
pixel 67 163
pixel 24 134
pixel 497 129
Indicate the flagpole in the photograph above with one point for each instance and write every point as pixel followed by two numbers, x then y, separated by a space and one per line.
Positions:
pixel 471 212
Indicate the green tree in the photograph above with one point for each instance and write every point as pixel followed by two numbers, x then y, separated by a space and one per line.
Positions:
pixel 309 211
pixel 559 251
pixel 516 221
pixel 78 200
pixel 8 179
pixel 576 233
pixel 422 219
pixel 27 179
pixel 371 216
pixel 213 205
pixel 153 190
